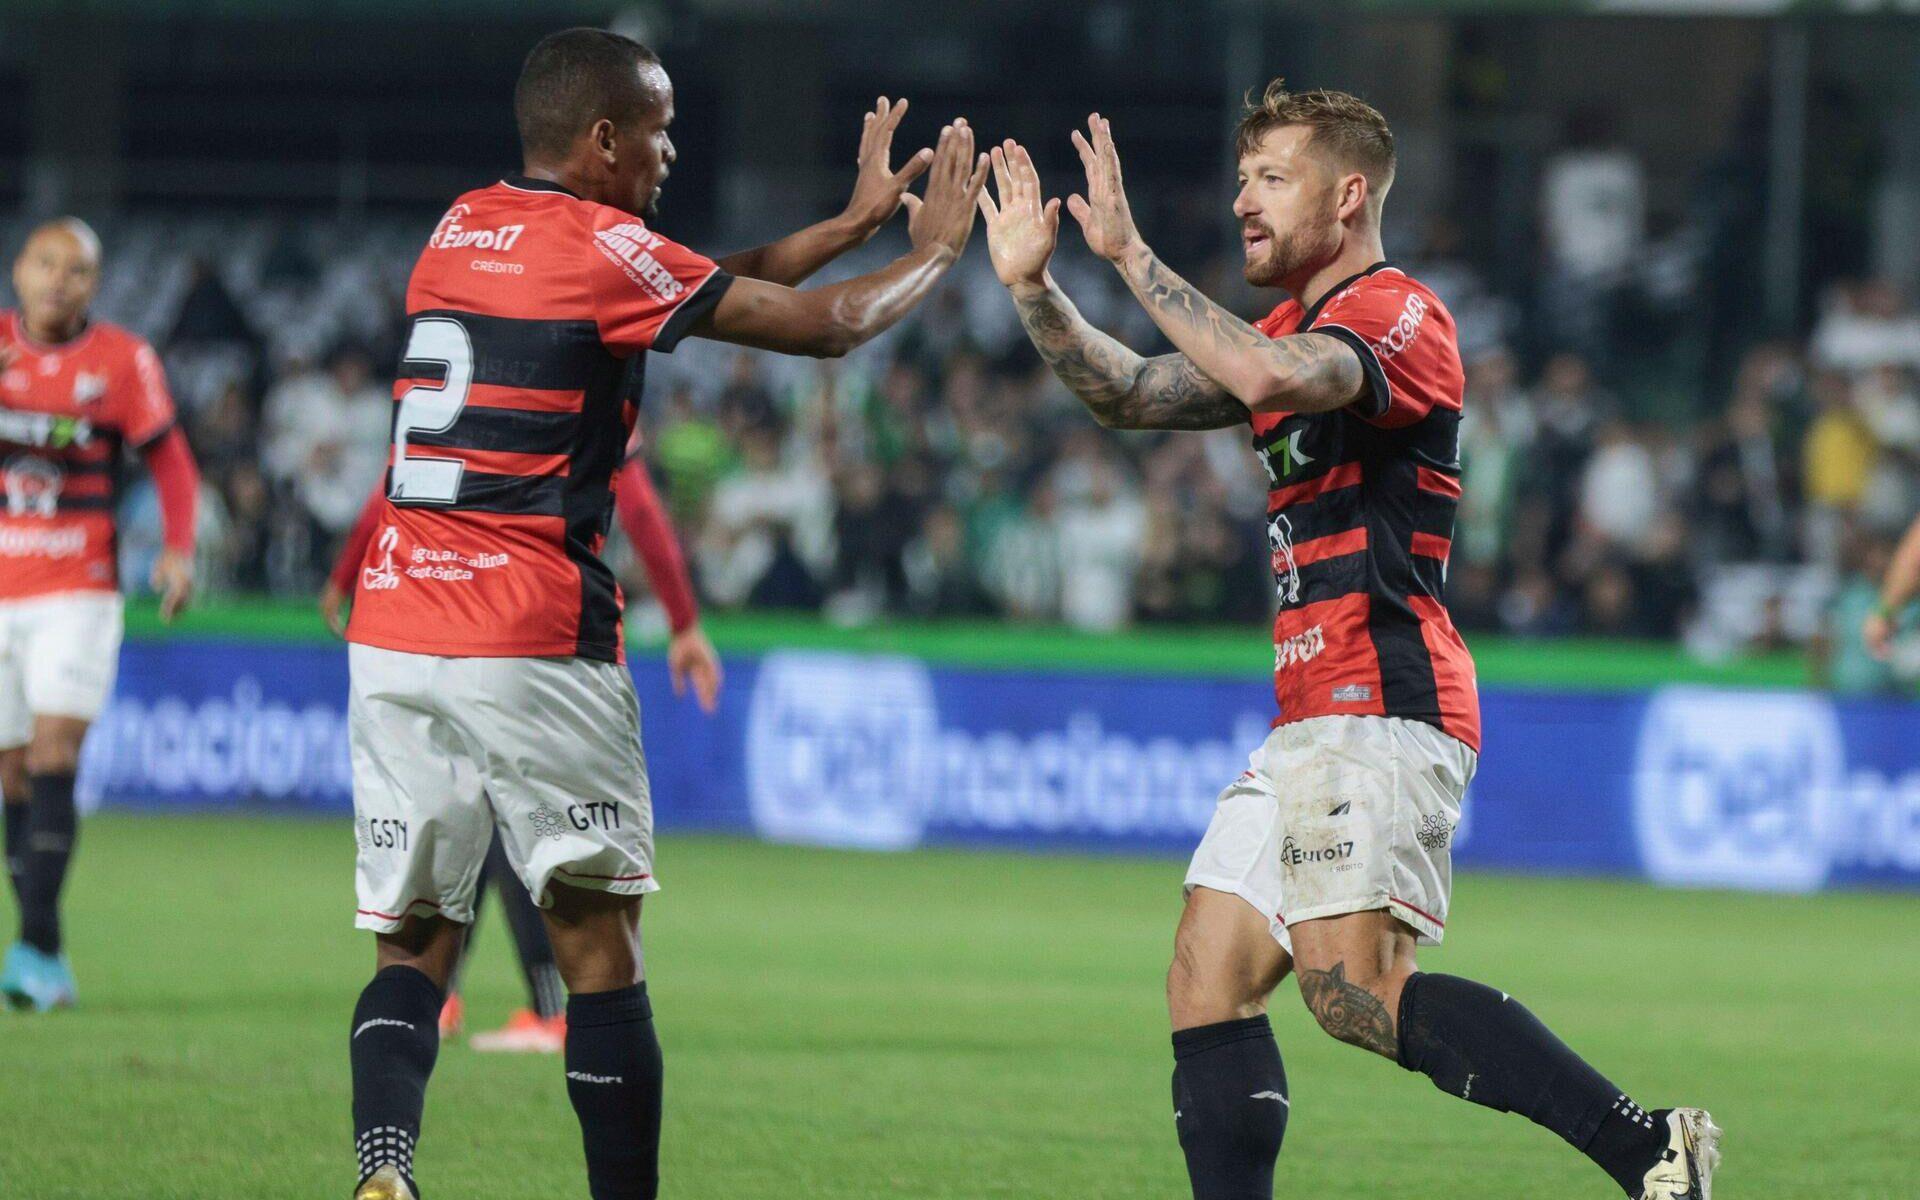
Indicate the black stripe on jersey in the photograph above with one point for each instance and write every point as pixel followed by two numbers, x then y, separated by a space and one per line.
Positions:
pixel 74 504
pixel 545 356
pixel 1407 683
pixel 1378 397
pixel 1313 314
pixel 587 500
pixel 703 301
pixel 1434 514
pixel 513 495
pixel 1328 579
pixel 153 439
pixel 516 431
pixel 1336 511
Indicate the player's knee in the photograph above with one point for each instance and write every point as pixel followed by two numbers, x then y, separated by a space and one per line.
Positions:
pixel 13 776
pixel 1201 991
pixel 55 751
pixel 430 945
pixel 596 938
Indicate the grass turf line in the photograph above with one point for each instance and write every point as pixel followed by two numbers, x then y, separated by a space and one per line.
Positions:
pixel 931 1025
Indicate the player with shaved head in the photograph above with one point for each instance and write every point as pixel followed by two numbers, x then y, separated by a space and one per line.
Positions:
pixel 1328 859
pixel 489 689
pixel 73 392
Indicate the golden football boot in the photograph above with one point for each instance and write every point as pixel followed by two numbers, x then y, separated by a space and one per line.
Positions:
pixel 385 1184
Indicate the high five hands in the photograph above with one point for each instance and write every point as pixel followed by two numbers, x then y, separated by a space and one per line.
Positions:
pixel 1023 228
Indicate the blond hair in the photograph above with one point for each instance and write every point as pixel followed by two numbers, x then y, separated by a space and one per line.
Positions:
pixel 1347 131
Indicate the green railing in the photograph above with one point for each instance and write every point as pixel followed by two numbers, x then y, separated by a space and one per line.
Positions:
pixel 1215 651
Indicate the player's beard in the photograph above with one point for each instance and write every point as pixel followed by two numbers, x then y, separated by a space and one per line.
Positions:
pixel 1302 249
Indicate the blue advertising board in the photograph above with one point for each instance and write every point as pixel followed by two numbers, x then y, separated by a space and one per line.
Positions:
pixel 1780 790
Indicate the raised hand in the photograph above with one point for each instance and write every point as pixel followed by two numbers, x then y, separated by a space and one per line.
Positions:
pixel 945 216
pixel 1103 212
pixel 878 189
pixel 1022 229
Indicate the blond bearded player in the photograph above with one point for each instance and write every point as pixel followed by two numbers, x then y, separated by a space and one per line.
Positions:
pixel 1328 859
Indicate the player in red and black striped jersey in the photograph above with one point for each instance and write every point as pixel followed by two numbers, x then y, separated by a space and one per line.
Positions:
pixel 1328 858
pixel 487 688
pixel 75 394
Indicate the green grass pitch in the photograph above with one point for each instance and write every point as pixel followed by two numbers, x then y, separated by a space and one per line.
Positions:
pixel 930 1025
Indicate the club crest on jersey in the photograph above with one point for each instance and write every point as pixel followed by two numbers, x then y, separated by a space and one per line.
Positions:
pixel 450 234
pixel 33 486
pixel 630 247
pixel 384 576
pixel 1286 570
pixel 88 387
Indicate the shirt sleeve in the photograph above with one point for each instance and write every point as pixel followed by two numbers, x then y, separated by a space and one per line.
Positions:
pixel 143 404
pixel 1404 342
pixel 647 291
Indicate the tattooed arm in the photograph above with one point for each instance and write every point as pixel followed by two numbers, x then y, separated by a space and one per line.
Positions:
pixel 1120 388
pixel 1306 372
pixel 1302 372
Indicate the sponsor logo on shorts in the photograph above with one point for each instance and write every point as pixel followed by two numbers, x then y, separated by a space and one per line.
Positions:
pixel 1295 855
pixel 1300 648
pixel 594 814
pixel 383 833
pixel 1435 831
pixel 547 823
pixel 1353 693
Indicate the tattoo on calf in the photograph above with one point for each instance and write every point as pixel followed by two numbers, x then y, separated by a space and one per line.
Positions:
pixel 1348 1011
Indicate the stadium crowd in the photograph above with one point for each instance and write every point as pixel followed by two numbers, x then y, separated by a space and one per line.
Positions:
pixel 943 472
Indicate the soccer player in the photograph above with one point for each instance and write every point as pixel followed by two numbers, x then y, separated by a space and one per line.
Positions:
pixel 1328 858
pixel 1897 590
pixel 487 684
pixel 541 1027
pixel 73 391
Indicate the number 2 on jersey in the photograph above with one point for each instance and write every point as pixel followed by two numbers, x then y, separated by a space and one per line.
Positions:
pixel 431 408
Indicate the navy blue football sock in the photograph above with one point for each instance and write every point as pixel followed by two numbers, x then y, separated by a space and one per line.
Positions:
pixel 396 1038
pixel 1230 1107
pixel 1484 1046
pixel 613 1078
pixel 52 825
pixel 16 844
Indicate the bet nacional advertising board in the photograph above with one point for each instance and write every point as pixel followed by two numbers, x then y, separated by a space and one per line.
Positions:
pixel 1777 791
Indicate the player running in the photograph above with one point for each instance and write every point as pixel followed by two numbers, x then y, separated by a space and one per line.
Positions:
pixel 1329 857
pixel 541 1027
pixel 487 684
pixel 73 391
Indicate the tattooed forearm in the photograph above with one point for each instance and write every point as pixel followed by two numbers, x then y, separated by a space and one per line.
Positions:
pixel 1301 373
pixel 1122 389
pixel 1348 1011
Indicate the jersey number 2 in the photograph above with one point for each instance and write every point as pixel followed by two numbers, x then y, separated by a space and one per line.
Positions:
pixel 431 408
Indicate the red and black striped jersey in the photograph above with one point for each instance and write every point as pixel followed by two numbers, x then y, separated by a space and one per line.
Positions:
pixel 65 412
pixel 1360 513
pixel 530 313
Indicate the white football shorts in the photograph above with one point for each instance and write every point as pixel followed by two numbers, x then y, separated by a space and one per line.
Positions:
pixel 58 657
pixel 447 749
pixel 1339 815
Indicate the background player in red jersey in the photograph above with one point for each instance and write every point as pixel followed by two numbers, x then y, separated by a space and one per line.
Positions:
pixel 487 684
pixel 541 1026
pixel 73 391
pixel 1329 857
